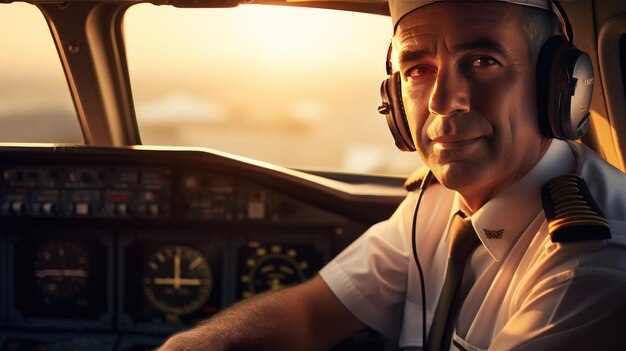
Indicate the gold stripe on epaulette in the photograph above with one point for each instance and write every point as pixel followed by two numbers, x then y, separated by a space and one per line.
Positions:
pixel 571 212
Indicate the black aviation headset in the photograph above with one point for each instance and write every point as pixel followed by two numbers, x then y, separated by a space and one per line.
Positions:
pixel 564 88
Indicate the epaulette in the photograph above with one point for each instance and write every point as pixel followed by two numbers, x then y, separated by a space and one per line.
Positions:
pixel 571 212
pixel 415 180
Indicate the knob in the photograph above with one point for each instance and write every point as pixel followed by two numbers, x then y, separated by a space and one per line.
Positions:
pixel 17 207
pixel 48 208
pixel 81 208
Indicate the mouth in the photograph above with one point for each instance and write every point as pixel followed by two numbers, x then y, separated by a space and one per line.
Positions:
pixel 444 143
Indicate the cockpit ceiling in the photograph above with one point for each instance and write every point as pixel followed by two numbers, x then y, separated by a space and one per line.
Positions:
pixel 374 7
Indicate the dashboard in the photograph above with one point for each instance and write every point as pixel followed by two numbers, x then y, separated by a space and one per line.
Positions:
pixel 117 248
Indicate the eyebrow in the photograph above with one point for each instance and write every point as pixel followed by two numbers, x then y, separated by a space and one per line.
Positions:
pixel 409 53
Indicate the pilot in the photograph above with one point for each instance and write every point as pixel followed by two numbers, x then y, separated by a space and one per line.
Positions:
pixel 512 238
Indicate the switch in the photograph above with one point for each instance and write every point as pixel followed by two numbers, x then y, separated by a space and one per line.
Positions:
pixel 17 207
pixel 76 176
pixel 48 208
pixel 150 196
pixel 191 182
pixel 256 210
pixel 121 209
pixel 13 175
pixel 153 210
pixel 81 208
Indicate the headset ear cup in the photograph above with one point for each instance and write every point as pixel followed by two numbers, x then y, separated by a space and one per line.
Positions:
pixel 564 89
pixel 578 93
pixel 393 109
pixel 550 68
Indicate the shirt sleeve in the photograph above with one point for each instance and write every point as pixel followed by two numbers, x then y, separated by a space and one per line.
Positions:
pixel 369 276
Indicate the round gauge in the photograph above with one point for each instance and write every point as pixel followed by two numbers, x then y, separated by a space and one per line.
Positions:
pixel 273 268
pixel 61 270
pixel 177 280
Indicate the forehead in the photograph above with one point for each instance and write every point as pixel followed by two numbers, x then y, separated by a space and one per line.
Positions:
pixel 459 21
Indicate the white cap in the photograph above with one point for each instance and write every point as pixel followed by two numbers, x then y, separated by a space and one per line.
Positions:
pixel 399 8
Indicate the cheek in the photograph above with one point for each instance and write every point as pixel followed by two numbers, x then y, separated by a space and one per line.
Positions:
pixel 508 103
pixel 492 99
pixel 510 109
pixel 415 100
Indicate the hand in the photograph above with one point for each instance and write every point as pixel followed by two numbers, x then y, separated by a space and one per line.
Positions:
pixel 191 340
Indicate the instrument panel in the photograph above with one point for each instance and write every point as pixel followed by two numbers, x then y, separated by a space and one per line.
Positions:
pixel 61 277
pixel 116 250
pixel 169 282
pixel 272 266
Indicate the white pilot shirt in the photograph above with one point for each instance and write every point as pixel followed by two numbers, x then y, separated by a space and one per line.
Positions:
pixel 523 292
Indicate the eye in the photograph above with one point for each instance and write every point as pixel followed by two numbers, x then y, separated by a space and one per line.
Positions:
pixel 419 71
pixel 483 61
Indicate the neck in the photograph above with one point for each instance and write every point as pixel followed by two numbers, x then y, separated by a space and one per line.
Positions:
pixel 475 197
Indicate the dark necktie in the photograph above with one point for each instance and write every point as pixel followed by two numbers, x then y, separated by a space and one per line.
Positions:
pixel 463 240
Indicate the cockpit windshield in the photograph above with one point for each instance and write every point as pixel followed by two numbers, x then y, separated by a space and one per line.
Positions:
pixel 35 102
pixel 297 87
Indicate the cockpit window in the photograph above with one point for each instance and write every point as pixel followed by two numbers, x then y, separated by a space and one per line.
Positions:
pixel 295 87
pixel 35 103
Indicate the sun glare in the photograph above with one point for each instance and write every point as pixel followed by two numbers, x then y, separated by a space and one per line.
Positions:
pixel 283 33
pixel 256 80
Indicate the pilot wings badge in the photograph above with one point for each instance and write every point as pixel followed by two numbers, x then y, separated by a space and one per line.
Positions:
pixel 493 234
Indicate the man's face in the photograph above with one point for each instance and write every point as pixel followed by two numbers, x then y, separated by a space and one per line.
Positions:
pixel 468 85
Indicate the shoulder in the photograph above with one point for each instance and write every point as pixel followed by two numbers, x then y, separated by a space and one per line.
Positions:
pixel 571 211
pixel 607 184
pixel 420 178
pixel 584 205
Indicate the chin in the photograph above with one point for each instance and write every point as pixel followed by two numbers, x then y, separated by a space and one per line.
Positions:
pixel 459 176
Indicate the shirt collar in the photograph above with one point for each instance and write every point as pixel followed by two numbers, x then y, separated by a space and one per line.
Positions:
pixel 501 220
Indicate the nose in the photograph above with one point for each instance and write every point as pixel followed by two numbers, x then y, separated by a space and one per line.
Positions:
pixel 450 93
